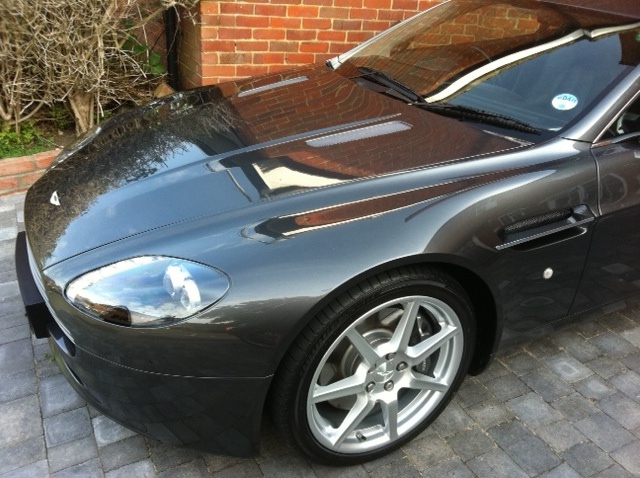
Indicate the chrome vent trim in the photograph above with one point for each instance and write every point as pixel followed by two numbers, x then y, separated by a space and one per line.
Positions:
pixel 361 133
pixel 271 86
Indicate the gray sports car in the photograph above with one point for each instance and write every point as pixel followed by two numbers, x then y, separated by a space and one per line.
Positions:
pixel 342 243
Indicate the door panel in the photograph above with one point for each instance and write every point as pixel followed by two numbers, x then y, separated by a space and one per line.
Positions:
pixel 613 267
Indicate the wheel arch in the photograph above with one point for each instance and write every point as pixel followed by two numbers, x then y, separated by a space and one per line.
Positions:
pixel 485 308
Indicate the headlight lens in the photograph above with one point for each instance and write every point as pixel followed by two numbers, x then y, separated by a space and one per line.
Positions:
pixel 147 291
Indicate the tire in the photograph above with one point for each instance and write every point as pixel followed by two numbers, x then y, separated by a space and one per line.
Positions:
pixel 376 367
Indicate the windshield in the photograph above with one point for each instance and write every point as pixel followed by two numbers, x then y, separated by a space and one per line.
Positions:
pixel 533 61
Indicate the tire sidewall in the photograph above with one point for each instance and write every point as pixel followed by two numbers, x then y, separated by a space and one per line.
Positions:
pixel 442 290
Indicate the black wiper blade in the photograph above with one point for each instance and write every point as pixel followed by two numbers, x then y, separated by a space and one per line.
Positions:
pixel 474 114
pixel 383 79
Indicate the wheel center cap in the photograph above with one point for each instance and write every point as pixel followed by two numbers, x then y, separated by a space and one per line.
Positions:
pixel 383 372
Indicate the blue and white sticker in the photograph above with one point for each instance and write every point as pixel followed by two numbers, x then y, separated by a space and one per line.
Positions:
pixel 565 102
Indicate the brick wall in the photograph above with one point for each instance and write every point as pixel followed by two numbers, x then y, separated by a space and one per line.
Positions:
pixel 240 38
pixel 17 174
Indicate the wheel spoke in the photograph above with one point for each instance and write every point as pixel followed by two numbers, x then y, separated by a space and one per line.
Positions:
pixel 366 351
pixel 421 351
pixel 342 388
pixel 402 334
pixel 358 412
pixel 423 382
pixel 390 415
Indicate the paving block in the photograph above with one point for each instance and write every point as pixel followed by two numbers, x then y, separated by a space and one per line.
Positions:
pixel 20 420
pixel 107 431
pixel 21 454
pixel 587 459
pixel 561 436
pixel 72 453
pixel 66 427
pixel 490 413
pixel 533 410
pixel 58 396
pixel 17 386
pixel 507 387
pixel 287 466
pixel 568 368
pixel 89 469
pixel 495 464
pixel 123 452
pixel 16 357
pixel 469 444
pixel 547 384
pixel 139 469
pixel 193 469
pixel 452 420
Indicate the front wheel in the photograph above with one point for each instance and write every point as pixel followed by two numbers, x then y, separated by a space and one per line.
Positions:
pixel 376 367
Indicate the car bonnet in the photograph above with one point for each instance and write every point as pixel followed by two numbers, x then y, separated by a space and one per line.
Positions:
pixel 223 148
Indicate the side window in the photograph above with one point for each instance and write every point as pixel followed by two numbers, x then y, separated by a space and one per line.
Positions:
pixel 627 123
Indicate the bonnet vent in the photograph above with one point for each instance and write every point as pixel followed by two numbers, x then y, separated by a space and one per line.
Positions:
pixel 360 133
pixel 271 86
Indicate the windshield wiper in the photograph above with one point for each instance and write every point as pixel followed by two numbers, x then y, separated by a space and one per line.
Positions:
pixel 381 78
pixel 474 114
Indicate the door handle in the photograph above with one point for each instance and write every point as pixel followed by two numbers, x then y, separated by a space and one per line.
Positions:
pixel 546 229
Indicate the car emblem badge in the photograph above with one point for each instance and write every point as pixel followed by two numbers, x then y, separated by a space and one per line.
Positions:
pixel 55 199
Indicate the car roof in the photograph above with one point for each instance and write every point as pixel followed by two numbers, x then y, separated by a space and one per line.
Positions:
pixel 627 8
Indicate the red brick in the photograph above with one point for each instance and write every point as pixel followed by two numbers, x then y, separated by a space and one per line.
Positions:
pixel 253 22
pixel 316 23
pixel 218 70
pixel 251 45
pixel 301 35
pixel 8 183
pixel 302 11
pixel 268 34
pixel 300 58
pixel 268 58
pixel 348 3
pixel 332 13
pixel 26 180
pixel 250 70
pixel 234 58
pixel 285 46
pixel 375 25
pixel 358 37
pixel 44 159
pixel 347 25
pixel 21 164
pixel 237 7
pixel 277 22
pixel 209 7
pixel 332 36
pixel 234 33
pixel 405 5
pixel 391 15
pixel 315 47
pixel 216 46
pixel 363 14
pixel 377 4
pixel 271 10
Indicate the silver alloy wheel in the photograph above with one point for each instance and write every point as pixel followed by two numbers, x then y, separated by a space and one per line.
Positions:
pixel 385 374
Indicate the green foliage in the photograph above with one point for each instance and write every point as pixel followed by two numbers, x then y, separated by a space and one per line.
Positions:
pixel 150 61
pixel 60 116
pixel 28 141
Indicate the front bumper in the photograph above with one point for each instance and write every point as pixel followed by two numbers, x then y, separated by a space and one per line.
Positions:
pixel 218 415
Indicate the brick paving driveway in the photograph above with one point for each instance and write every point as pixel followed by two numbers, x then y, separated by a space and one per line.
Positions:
pixel 567 405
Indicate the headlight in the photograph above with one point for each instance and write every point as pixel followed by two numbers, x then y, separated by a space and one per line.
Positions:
pixel 147 291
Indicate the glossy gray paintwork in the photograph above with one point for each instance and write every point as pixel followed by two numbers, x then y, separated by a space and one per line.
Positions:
pixel 192 176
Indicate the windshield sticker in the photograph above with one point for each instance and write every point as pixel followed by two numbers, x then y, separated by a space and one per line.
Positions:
pixel 565 102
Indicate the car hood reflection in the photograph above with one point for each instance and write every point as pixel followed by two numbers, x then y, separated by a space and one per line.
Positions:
pixel 218 149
